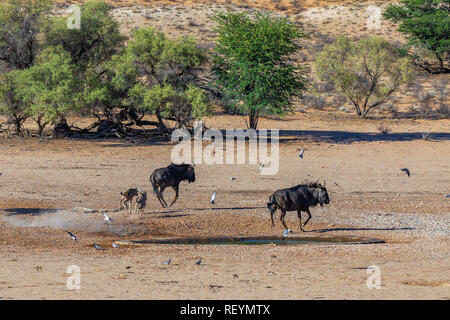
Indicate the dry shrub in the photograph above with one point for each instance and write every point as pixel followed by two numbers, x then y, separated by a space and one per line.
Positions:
pixel 383 129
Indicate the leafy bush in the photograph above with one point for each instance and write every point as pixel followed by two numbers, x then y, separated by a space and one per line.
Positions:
pixel 427 22
pixel 252 63
pixel 367 72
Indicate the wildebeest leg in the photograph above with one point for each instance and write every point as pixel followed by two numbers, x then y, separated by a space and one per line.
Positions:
pixel 271 217
pixel 130 205
pixel 175 188
pixel 299 214
pixel 122 205
pixel 161 198
pixel 127 204
pixel 307 220
pixel 283 214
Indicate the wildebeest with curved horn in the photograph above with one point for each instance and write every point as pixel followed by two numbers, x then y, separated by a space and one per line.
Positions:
pixel 298 198
pixel 171 176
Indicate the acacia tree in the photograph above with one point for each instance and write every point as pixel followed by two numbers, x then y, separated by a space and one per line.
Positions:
pixel 43 92
pixel 181 107
pixel 171 71
pixel 48 87
pixel 11 103
pixel 153 75
pixel 427 23
pixel 367 72
pixel 20 24
pixel 252 64
pixel 97 40
pixel 90 47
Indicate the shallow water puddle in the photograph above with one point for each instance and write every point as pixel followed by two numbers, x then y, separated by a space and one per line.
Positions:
pixel 295 240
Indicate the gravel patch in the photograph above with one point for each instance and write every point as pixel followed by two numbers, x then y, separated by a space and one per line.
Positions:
pixel 428 225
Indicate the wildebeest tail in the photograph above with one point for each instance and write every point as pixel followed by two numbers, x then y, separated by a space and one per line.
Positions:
pixel 272 205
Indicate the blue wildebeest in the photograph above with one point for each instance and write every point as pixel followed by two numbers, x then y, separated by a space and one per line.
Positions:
pixel 298 198
pixel 171 176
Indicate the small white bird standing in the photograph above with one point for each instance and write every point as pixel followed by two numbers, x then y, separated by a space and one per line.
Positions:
pixel 301 152
pixel 213 197
pixel 168 261
pixel 97 247
pixel 106 218
pixel 261 166
pixel 72 236
pixel 115 245
pixel 286 232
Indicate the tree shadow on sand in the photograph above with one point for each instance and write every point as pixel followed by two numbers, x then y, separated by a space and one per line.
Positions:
pixel 340 137
pixel 357 229
pixel 346 137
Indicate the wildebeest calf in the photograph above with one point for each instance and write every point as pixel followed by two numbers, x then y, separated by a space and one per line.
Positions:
pixel 171 176
pixel 298 198
pixel 127 199
pixel 141 202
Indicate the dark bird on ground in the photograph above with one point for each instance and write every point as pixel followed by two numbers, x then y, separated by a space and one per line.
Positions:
pixel 199 261
pixel 406 171
pixel 98 247
pixel 72 236
pixel 168 261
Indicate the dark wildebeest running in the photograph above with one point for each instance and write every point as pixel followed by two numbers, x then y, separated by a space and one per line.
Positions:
pixel 171 176
pixel 298 198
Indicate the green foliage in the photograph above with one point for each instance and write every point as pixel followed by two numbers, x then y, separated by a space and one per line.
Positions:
pixel 427 22
pixel 11 103
pixel 48 87
pixel 19 28
pixel 147 46
pixel 368 72
pixel 165 60
pixel 122 74
pixel 153 75
pixel 182 107
pixel 252 63
pixel 44 91
pixel 97 40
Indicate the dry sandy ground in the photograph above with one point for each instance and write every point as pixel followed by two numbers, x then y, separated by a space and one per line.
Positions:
pixel 43 180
